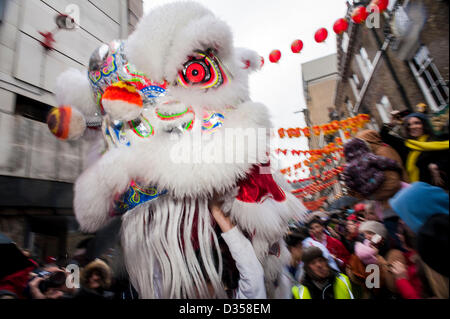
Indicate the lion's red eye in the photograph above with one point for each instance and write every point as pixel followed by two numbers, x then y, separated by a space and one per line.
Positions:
pixel 195 72
pixel 203 71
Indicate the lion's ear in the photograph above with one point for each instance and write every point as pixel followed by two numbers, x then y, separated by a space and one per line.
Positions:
pixel 249 59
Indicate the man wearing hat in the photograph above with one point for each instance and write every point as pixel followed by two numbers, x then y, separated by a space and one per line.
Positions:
pixel 320 281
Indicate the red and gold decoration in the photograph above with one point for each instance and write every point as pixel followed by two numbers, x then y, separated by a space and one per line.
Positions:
pixel 359 15
pixel 275 56
pixel 328 129
pixel 381 5
pixel 321 35
pixel 340 26
pixel 297 46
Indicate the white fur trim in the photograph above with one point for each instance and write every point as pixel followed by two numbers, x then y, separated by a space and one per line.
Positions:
pixel 185 167
pixel 250 56
pixel 168 34
pixel 121 110
pixel 77 125
pixel 95 189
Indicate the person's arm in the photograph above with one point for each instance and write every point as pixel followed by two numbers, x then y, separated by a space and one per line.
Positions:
pixel 34 288
pixel 402 283
pixel 392 139
pixel 251 273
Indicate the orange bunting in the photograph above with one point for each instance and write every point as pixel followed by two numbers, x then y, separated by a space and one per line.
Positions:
pixel 352 123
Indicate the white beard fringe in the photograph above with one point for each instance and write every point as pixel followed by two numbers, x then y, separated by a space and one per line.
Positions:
pixel 152 233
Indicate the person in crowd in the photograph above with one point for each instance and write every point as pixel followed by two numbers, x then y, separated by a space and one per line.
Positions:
pixel 334 246
pixel 95 280
pixel 380 148
pixel 249 284
pixel 424 209
pixel 320 281
pixel 365 172
pixel 373 251
pixel 50 283
pixel 374 244
pixel 424 157
pixel 404 276
pixel 297 241
pixel 352 235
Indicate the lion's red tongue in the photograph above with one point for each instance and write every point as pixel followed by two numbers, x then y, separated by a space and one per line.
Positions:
pixel 257 187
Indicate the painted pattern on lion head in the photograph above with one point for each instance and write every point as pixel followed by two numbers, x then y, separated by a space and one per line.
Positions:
pixel 177 127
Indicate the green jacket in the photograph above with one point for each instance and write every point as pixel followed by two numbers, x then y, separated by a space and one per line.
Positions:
pixel 341 287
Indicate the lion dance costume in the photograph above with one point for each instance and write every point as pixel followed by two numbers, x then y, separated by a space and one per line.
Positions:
pixel 159 109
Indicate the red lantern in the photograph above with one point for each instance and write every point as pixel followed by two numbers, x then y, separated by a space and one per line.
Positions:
pixel 359 15
pixel 321 35
pixel 262 62
pixel 275 56
pixel 297 46
pixel 340 26
pixel 381 4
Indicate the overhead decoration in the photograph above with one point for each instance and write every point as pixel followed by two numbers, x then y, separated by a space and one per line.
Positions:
pixel 321 35
pixel 359 15
pixel 312 189
pixel 340 26
pixel 355 122
pixel 297 46
pixel 381 4
pixel 275 56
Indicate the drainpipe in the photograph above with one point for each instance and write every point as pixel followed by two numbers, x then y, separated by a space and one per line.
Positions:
pixel 123 19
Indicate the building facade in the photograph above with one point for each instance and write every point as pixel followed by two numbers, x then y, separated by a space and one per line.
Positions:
pixel 320 78
pixel 395 62
pixel 36 170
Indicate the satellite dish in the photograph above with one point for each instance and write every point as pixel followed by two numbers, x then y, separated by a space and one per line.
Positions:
pixel 66 22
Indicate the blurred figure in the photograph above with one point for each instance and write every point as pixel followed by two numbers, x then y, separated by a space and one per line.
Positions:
pixel 320 281
pixel 424 209
pixel 334 246
pixel 404 267
pixel 425 158
pixel 95 280
pixel 50 283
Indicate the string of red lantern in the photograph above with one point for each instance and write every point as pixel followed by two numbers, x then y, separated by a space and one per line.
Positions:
pixel 326 175
pixel 359 15
pixel 352 123
pixel 315 204
pixel 312 189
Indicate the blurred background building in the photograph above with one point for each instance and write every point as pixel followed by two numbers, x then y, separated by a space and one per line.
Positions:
pixel 396 65
pixel 36 170
pixel 400 64
pixel 320 77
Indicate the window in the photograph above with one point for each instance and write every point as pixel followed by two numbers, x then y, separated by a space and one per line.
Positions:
pixel 366 59
pixel 433 86
pixel 362 66
pixel 373 125
pixel 384 109
pixel 32 109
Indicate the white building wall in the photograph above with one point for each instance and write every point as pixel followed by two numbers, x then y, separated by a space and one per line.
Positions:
pixel 27 148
